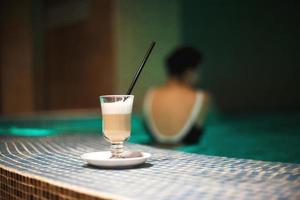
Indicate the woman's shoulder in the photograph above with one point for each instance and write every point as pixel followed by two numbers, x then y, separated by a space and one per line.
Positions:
pixel 204 94
pixel 152 90
pixel 149 93
pixel 186 94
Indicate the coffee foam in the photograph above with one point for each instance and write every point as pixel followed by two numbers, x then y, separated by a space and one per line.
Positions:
pixel 120 107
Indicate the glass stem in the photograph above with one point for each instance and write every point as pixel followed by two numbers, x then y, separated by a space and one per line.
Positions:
pixel 117 149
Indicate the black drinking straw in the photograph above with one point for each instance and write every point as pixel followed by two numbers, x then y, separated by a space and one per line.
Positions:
pixel 138 72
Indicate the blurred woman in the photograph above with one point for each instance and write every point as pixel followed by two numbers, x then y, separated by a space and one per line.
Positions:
pixel 174 112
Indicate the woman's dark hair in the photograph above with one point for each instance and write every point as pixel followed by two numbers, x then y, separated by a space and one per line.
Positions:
pixel 181 60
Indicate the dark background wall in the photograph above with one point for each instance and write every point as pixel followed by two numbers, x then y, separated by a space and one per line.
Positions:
pixel 55 55
pixel 62 54
pixel 79 55
pixel 251 51
pixel 16 80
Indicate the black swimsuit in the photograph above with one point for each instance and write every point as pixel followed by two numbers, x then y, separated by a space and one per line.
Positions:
pixel 192 137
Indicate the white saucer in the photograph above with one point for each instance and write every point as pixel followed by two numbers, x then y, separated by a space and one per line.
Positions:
pixel 103 159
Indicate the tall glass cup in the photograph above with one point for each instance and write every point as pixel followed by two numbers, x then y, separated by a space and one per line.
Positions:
pixel 116 121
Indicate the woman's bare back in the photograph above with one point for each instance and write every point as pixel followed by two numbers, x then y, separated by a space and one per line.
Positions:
pixel 171 108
